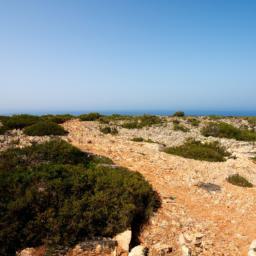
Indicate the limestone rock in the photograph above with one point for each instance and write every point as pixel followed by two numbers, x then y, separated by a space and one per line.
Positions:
pixel 139 250
pixel 123 241
pixel 252 249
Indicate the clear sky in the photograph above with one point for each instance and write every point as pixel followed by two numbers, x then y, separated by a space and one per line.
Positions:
pixel 59 55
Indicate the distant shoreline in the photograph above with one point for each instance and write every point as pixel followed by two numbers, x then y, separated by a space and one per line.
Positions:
pixel 140 112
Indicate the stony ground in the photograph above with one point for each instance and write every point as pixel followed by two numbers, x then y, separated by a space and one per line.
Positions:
pixel 200 211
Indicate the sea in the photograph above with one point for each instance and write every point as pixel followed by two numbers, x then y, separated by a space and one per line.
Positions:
pixel 139 112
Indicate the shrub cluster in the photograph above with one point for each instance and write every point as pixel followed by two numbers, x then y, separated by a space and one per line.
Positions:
pixel 53 194
pixel 179 114
pixel 20 121
pixel 59 119
pixel 180 127
pixel 109 130
pixel 239 180
pixel 90 116
pixel 193 121
pixel 45 128
pixel 211 152
pixel 142 121
pixel 224 130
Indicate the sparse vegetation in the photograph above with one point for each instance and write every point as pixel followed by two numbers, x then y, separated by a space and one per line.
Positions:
pixel 179 114
pixel 180 127
pixel 142 121
pixel 94 116
pixel 20 121
pixel 109 130
pixel 137 139
pixel 114 118
pixel 211 152
pixel 3 129
pixel 239 180
pixel 53 194
pixel 59 119
pixel 45 128
pixel 224 130
pixel 140 139
pixel 193 121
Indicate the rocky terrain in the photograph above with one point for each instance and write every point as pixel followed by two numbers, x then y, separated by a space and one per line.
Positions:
pixel 201 213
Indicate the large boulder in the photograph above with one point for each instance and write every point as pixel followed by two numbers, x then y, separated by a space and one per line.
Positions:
pixel 139 250
pixel 252 249
pixel 123 242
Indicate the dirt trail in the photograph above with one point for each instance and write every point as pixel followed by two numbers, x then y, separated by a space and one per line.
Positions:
pixel 225 219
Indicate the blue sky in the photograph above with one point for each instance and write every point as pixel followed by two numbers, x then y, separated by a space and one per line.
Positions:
pixel 79 55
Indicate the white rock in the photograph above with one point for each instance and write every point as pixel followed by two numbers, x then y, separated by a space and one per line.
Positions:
pixel 139 250
pixel 123 239
pixel 252 249
pixel 27 252
pixel 185 250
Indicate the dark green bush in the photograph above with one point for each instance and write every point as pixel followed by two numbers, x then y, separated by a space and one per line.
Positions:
pixel 238 180
pixel 109 130
pixel 179 114
pixel 142 121
pixel 44 128
pixel 59 119
pixel 137 139
pixel 224 130
pixel 211 152
pixel 180 127
pixel 49 200
pixel 56 151
pixel 20 121
pixel 193 121
pixel 4 118
pixel 3 129
pixel 114 118
pixel 90 116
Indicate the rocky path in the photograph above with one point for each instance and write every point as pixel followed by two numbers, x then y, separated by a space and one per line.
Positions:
pixel 195 217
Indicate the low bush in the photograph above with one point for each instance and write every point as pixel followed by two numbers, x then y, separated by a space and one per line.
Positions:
pixel 137 139
pixel 3 129
pixel 45 128
pixel 114 118
pixel 193 121
pixel 59 119
pixel 142 121
pixel 56 202
pixel 20 121
pixel 224 130
pixel 179 114
pixel 239 180
pixel 211 152
pixel 56 151
pixel 109 130
pixel 90 116
pixel 180 127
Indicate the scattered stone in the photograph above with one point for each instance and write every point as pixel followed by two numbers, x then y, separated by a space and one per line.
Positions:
pixel 123 241
pixel 252 249
pixel 139 250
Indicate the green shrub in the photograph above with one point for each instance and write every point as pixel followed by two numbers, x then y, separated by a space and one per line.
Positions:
pixel 137 139
pixel 109 130
pixel 114 118
pixel 179 114
pixel 59 119
pixel 224 130
pixel 45 128
pixel 180 127
pixel 54 202
pixel 20 121
pixel 238 180
pixel 142 121
pixel 4 118
pixel 193 121
pixel 216 117
pixel 211 152
pixel 3 129
pixel 90 116
pixel 56 151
